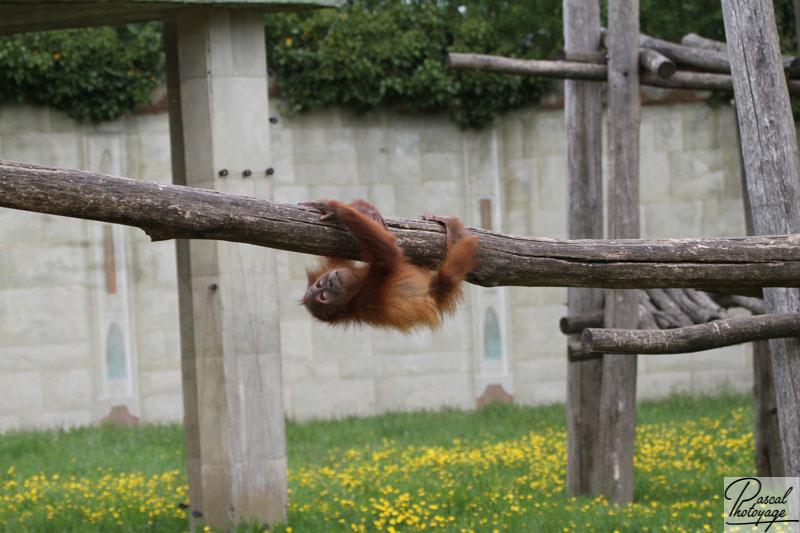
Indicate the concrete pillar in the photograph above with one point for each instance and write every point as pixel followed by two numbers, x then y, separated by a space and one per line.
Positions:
pixel 219 125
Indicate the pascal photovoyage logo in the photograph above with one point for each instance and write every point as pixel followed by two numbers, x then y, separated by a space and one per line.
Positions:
pixel 761 504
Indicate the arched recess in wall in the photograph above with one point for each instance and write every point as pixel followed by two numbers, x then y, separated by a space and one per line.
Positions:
pixel 114 338
pixel 116 365
pixel 492 341
pixel 492 379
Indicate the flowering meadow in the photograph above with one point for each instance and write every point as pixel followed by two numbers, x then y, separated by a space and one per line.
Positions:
pixel 501 468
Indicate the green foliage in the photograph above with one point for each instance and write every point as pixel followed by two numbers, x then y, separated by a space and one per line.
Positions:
pixel 93 74
pixel 373 53
pixel 367 54
pixel 672 19
pixel 379 52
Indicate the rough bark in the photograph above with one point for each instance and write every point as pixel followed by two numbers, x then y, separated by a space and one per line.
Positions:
pixel 697 41
pixel 705 81
pixel 766 429
pixel 583 111
pixel 699 58
pixel 647 313
pixel 581 56
pixel 754 305
pixel 617 432
pixel 716 334
pixel 656 63
pixel 670 311
pixel 175 212
pixel 773 183
pixel 577 323
pixel 575 70
pixel 698 313
pixel 791 64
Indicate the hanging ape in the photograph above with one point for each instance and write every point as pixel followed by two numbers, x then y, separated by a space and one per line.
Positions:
pixel 388 291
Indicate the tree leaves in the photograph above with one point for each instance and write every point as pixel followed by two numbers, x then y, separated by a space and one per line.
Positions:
pixel 373 53
pixel 92 74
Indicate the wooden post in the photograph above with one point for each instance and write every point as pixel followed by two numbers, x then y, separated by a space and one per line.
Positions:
pixel 772 171
pixel 618 396
pixel 766 430
pixel 696 338
pixel 583 110
pixel 680 79
pixel 656 63
pixel 217 87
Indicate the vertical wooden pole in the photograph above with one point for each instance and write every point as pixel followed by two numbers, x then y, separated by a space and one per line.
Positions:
pixel 583 110
pixel 766 432
pixel 772 170
pixel 217 83
pixel 618 396
pixel 185 301
pixel 768 449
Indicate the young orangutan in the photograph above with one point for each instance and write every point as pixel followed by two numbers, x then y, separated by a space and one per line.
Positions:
pixel 388 291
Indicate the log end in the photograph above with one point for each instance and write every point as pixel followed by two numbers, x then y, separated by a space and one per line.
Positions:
pixel 792 67
pixel 576 354
pixel 666 70
pixel 587 341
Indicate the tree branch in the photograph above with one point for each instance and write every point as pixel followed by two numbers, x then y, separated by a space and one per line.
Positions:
pixel 706 336
pixel 175 212
pixel 681 79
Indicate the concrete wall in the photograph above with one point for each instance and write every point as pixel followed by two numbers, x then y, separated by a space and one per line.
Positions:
pixel 60 363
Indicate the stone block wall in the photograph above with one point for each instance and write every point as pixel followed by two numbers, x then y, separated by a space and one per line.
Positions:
pixel 58 366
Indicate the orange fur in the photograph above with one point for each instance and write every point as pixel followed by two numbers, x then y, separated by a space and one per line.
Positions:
pixel 391 292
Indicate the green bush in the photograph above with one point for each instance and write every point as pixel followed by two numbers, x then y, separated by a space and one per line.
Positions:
pixel 92 74
pixel 373 53
pixel 366 54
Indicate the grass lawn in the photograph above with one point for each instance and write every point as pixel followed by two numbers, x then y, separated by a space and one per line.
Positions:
pixel 501 468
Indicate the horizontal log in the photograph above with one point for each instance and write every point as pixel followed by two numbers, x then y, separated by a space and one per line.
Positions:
pixel 699 58
pixel 587 56
pixel 574 70
pixel 791 64
pixel 656 63
pixel 699 81
pixel 647 312
pixel 670 315
pixel 175 212
pixel 575 353
pixel 697 312
pixel 696 338
pixel 754 305
pixel 683 306
pixel 712 310
pixel 649 59
pixel 697 41
pixel 577 323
